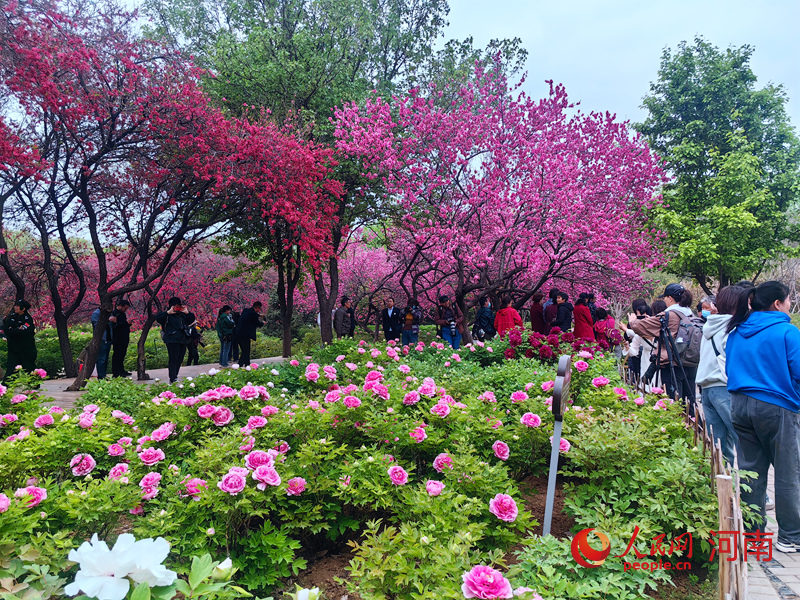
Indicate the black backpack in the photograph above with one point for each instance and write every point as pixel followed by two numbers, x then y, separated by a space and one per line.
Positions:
pixel 688 339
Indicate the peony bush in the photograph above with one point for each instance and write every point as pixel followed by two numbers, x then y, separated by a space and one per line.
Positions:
pixel 411 457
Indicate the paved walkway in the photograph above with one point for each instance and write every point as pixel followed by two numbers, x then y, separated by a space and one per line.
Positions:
pixel 57 388
pixel 778 579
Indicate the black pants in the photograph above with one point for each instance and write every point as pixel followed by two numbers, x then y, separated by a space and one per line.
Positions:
pixel 194 355
pixel 233 355
pixel 24 356
pixel 176 353
pixel 120 347
pixel 244 355
pixel 685 387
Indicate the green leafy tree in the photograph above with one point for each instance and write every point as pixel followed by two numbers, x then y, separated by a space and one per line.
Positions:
pixel 733 157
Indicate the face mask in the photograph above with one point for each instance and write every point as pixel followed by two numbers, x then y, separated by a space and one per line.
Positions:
pixel 706 313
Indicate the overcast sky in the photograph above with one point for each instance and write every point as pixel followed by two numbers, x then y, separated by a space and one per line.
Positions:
pixel 607 53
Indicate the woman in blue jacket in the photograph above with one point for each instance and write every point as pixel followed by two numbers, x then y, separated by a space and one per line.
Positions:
pixel 763 369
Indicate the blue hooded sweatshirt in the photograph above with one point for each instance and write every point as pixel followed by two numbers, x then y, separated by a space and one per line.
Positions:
pixel 764 359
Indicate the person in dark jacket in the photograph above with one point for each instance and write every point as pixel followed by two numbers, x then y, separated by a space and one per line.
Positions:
pixel 175 325
pixel 19 330
pixel 550 310
pixel 341 319
pixel 563 318
pixel 351 311
pixel 246 330
pixel 233 355
pixel 483 329
pixel 193 348
pixel 538 324
pixel 411 319
pixel 225 328
pixel 390 319
pixel 450 321
pixel 592 306
pixel 122 338
pixel 105 346
pixel 763 370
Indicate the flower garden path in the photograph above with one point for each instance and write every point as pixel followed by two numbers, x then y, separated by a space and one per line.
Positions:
pixel 57 388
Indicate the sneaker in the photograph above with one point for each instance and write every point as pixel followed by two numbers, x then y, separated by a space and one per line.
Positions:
pixel 770 504
pixel 787 547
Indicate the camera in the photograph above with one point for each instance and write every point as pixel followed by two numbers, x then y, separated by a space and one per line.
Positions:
pixel 453 329
pixel 651 370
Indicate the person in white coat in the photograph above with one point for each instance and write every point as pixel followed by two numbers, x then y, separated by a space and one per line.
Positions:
pixel 711 372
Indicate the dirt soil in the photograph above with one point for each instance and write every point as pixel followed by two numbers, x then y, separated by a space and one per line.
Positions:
pixel 324 569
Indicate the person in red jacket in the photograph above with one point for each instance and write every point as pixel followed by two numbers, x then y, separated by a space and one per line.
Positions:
pixel 507 318
pixel 537 314
pixel 584 326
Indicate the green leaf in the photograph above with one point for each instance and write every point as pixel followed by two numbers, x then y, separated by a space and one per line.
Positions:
pixel 141 592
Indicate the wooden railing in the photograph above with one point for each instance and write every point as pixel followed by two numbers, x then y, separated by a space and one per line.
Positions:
pixel 732 574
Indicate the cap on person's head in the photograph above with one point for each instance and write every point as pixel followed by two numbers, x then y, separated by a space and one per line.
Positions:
pixel 673 290
pixel 174 301
pixel 23 304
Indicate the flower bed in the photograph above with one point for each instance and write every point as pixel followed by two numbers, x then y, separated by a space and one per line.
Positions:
pixel 411 456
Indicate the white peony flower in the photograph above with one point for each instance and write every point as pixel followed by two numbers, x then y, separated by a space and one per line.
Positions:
pixel 307 594
pixel 275 372
pixel 104 573
pixel 213 371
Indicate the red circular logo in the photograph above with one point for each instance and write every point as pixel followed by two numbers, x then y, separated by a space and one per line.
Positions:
pixel 584 554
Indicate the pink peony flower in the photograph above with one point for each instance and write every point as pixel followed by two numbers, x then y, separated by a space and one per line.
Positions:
pixel 152 456
pixel 152 479
pixel 86 420
pixel 411 398
pixel 82 464
pixel 442 461
pixel 118 470
pixel 440 410
pixel 125 441
pixel 223 416
pixel 621 392
pixel 531 420
pixel 5 502
pixel 206 411
pixel 418 434
pixel 295 486
pixel 258 458
pixel 519 396
pixel 40 372
pixel 563 445
pixel 270 410
pixel 312 376
pixel 351 366
pixel 256 422
pixel 487 397
pixel 35 495
pixel 195 486
pixel 283 447
pixel 8 419
pixel 504 508
pixel 433 487
pixel 333 396
pixel 116 450
pixel 91 408
pixel 659 405
pixel 581 365
pixel 351 402
pixel 656 390
pixel 485 583
pixel 266 475
pixel 548 385
pixel 599 382
pixel 294 363
pixel 501 450
pixel 18 399
pixel 398 475
pixel 232 483
pixel 43 421
pixel 639 400
pixel 526 590
pixel 249 392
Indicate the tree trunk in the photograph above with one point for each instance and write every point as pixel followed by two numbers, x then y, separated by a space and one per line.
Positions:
pixel 141 357
pixel 62 329
pixel 462 306
pixel 92 350
pixel 327 300
pixel 286 321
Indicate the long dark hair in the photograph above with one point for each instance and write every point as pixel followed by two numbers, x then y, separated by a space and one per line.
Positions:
pixel 757 299
pixel 223 309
